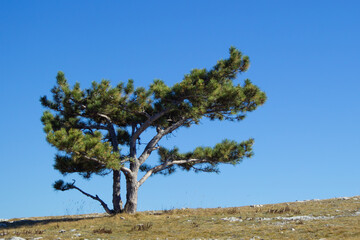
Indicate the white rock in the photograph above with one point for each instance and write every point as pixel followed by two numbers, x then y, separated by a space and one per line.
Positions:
pixel 232 219
pixel 17 238
pixel 254 206
pixel 77 234
pixel 73 230
pixel 302 218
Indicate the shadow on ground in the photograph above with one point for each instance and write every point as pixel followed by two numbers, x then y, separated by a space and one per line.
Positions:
pixel 31 222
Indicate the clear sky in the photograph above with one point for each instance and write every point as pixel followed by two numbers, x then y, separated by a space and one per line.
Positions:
pixel 304 55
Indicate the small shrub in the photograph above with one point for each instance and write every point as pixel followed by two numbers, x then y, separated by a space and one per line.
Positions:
pixel 169 211
pixel 233 210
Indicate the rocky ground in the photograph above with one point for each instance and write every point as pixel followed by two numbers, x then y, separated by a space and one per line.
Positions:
pixel 337 218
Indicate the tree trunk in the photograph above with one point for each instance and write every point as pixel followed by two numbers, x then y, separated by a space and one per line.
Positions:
pixel 132 184
pixel 132 188
pixel 117 203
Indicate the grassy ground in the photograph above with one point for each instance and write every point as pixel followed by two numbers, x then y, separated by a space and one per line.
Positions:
pixel 326 219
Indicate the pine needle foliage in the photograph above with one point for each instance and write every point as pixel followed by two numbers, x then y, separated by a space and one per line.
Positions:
pixel 97 130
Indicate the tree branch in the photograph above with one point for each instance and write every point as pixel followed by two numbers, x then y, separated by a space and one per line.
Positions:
pixel 91 126
pixel 168 164
pixel 126 171
pixel 124 160
pixel 148 123
pixel 151 146
pixel 131 111
pixel 108 119
pixel 90 158
pixel 96 197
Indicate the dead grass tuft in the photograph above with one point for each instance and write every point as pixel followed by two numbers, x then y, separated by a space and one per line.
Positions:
pixel 232 210
pixel 282 210
pixel 28 232
pixel 195 225
pixel 142 227
pixel 102 230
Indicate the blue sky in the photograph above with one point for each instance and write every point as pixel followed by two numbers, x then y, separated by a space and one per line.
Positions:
pixel 304 55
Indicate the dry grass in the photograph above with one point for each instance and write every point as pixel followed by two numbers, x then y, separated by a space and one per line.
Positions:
pixel 102 230
pixel 334 219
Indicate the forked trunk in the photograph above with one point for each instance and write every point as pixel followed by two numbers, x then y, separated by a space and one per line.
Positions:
pixel 116 200
pixel 131 194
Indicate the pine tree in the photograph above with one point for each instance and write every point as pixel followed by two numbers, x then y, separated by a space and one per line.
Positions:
pixel 97 130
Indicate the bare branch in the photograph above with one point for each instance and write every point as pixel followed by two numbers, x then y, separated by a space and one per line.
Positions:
pixel 188 161
pixel 168 164
pixel 105 116
pixel 151 171
pixel 151 146
pixel 96 197
pixel 136 112
pixel 146 114
pixel 111 129
pixel 91 126
pixel 148 123
pixel 89 158
pixel 126 171
pixel 124 160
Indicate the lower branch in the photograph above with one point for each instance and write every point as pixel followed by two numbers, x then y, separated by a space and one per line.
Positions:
pixel 96 197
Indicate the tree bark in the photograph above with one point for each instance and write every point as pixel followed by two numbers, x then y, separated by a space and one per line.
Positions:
pixel 117 203
pixel 132 188
pixel 132 184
